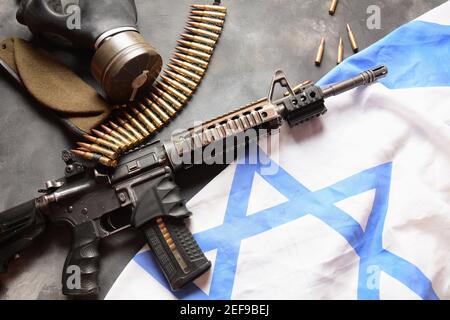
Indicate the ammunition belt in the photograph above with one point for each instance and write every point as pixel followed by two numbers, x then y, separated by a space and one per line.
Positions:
pixel 134 123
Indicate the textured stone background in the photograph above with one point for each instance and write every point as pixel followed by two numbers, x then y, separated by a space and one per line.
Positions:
pixel 259 37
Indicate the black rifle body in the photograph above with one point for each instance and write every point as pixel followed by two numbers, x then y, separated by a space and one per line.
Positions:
pixel 140 192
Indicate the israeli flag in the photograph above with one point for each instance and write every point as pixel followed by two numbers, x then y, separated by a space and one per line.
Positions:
pixel 359 204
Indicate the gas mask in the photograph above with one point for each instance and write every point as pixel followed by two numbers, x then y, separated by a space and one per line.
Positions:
pixel 124 64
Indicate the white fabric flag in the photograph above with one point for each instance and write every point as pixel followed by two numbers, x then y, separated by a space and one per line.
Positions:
pixel 355 205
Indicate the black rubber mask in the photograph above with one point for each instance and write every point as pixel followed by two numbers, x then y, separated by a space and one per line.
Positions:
pixel 124 63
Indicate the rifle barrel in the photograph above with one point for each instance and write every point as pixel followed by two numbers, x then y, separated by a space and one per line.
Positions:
pixel 363 79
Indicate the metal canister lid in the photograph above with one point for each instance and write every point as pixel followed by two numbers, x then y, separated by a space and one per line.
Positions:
pixel 125 65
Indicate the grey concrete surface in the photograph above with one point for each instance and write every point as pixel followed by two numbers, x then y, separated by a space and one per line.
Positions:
pixel 259 37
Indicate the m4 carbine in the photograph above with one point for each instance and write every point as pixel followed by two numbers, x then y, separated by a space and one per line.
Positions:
pixel 141 190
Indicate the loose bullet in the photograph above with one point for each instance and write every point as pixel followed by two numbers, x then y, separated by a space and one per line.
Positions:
pixel 97 157
pixel 163 104
pixel 333 6
pixel 102 142
pixel 204 33
pixel 177 85
pixel 198 39
pixel 191 84
pixel 297 88
pixel 174 102
pixel 137 124
pixel 124 132
pixel 213 14
pixel 191 59
pixel 160 112
pixel 97 149
pixel 340 55
pixel 109 138
pixel 215 21
pixel 130 129
pixel 148 124
pixel 173 91
pixel 352 39
pixel 211 7
pixel 117 135
pixel 205 26
pixel 188 66
pixel 196 53
pixel 320 51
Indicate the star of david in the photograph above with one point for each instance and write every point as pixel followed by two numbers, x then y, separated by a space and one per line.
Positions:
pixel 237 226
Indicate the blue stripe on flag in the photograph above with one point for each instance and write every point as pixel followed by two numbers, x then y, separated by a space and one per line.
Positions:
pixel 417 55
pixel 237 226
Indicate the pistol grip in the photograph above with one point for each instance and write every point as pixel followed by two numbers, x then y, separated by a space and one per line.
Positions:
pixel 176 251
pixel 80 275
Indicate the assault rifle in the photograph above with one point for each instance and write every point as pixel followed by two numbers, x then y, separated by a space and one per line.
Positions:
pixel 141 189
